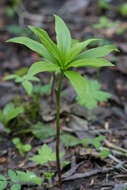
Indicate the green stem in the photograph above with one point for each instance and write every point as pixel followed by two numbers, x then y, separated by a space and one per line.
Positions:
pixel 58 128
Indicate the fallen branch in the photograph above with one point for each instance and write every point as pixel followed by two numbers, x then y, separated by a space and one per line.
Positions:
pixel 94 172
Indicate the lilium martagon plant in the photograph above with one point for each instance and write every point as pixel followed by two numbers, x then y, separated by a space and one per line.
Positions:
pixel 61 57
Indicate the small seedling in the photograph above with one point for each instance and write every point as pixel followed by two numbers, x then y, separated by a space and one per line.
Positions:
pixel 21 148
pixel 103 4
pixel 17 177
pixel 96 142
pixel 18 30
pixel 24 80
pixel 61 58
pixel 104 22
pixel 10 112
pixel 14 7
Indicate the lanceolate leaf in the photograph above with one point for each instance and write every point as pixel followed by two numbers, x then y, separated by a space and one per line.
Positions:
pixel 9 77
pixel 34 46
pixel 28 86
pixel 47 42
pixel 63 36
pixel 100 62
pixel 77 48
pixel 41 67
pixel 88 92
pixel 98 52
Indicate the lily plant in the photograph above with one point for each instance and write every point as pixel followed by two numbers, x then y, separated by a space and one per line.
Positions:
pixel 61 57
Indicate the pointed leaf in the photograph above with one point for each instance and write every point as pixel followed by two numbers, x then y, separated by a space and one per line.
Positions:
pixel 9 77
pixel 33 45
pixel 88 91
pixel 63 36
pixel 47 42
pixel 96 63
pixel 97 52
pixel 42 67
pixel 27 86
pixel 77 48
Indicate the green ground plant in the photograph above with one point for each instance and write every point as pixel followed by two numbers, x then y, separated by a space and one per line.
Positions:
pixel 10 112
pixel 60 58
pixel 13 7
pixel 15 178
pixel 103 4
pixel 21 147
pixel 104 22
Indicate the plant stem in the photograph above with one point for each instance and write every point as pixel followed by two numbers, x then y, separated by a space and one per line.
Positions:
pixel 58 128
pixel 52 90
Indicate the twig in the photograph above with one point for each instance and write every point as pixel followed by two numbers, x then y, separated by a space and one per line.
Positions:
pixel 94 172
pixel 110 145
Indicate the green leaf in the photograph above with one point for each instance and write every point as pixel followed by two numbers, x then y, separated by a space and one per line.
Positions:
pixel 49 175
pixel 7 109
pixel 63 36
pixel 1 116
pixel 28 86
pixel 47 42
pixel 96 142
pixel 77 48
pixel 33 45
pixel 88 91
pixel 96 63
pixel 74 42
pixel 104 153
pixel 69 140
pixel 86 141
pixel 42 89
pixel 100 138
pixel 3 182
pixel 12 175
pixel 9 77
pixel 41 67
pixel 97 52
pixel 14 113
pixel 22 71
pixel 27 147
pixel 19 79
pixel 29 176
pixel 32 78
pixel 42 131
pixel 16 187
pixel 45 154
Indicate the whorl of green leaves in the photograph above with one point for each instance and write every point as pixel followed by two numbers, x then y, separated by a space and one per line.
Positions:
pixel 65 54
